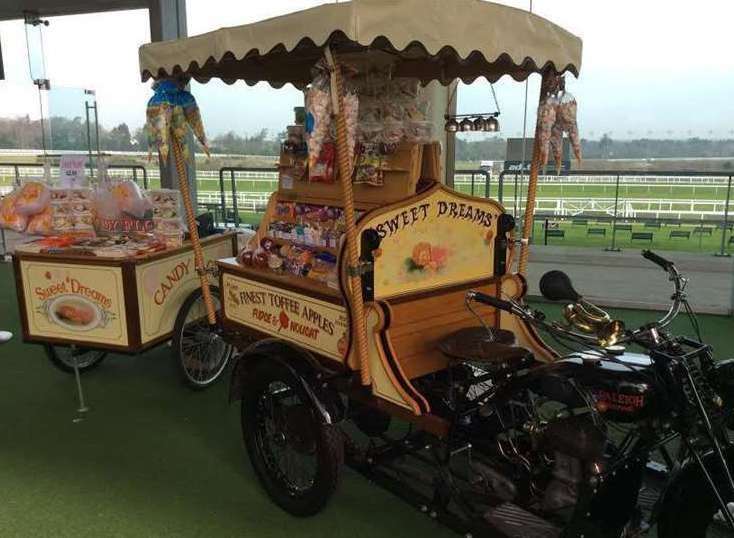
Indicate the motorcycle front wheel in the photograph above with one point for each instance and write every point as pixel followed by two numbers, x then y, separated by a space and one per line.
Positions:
pixel 690 508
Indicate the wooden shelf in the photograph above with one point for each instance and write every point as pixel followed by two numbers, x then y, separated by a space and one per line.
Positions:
pixel 311 287
pixel 79 254
pixel 401 169
pixel 278 241
pixel 304 198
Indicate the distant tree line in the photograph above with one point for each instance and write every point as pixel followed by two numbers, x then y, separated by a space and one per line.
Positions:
pixel 607 148
pixel 67 134
pixel 259 144
pixel 646 148
pixel 71 134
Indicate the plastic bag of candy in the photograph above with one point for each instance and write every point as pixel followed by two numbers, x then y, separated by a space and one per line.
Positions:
pixel 42 223
pixel 318 113
pixel 9 217
pixel 419 132
pixel 322 170
pixel 32 198
pixel 115 199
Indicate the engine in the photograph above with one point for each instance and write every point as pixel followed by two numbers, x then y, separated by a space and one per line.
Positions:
pixel 539 464
pixel 577 446
pixel 528 449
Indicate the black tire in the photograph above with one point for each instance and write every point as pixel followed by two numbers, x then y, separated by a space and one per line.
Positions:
pixel 62 357
pixel 691 508
pixel 201 353
pixel 300 431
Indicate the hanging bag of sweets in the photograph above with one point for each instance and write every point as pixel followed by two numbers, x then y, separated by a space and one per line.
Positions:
pixel 318 125
pixel 556 116
pixel 323 168
pixel 546 120
pixel 567 111
pixel 318 113
pixel 172 110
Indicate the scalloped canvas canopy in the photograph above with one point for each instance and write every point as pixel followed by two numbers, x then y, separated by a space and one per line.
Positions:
pixel 426 39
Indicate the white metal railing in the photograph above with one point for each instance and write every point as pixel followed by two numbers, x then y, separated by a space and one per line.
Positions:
pixel 460 179
pixel 632 207
pixel 246 201
pixel 665 180
pixel 26 172
pixel 266 180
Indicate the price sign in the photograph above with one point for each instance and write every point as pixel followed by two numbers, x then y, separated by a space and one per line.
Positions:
pixel 72 172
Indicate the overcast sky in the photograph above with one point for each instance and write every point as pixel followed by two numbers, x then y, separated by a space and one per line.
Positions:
pixel 650 68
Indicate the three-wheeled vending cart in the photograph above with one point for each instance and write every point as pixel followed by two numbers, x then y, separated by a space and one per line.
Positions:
pixel 350 304
pixel 81 306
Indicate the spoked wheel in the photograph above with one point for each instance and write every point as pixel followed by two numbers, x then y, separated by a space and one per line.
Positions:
pixel 719 528
pixel 296 457
pixel 694 512
pixel 201 353
pixel 702 520
pixel 64 357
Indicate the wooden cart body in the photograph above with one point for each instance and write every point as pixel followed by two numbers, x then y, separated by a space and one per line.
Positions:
pixel 131 303
pixel 459 245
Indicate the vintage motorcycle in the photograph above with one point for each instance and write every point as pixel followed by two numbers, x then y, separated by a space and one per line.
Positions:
pixel 624 413
pixel 627 431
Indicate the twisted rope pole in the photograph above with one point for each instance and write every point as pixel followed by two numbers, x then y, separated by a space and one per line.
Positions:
pixel 183 183
pixel 359 327
pixel 549 79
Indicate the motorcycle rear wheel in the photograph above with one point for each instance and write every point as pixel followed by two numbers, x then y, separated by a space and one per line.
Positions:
pixel 297 458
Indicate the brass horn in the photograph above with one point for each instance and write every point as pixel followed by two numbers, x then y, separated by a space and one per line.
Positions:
pixel 591 319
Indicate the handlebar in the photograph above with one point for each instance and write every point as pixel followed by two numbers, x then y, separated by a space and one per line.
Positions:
pixel 664 264
pixel 678 300
pixel 489 300
pixel 679 296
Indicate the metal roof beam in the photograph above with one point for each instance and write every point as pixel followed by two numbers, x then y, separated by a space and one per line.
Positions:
pixel 14 9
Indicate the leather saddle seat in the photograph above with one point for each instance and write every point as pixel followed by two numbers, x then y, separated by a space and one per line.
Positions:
pixel 495 349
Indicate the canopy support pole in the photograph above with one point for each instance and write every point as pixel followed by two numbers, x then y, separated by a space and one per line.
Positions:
pixel 359 328
pixel 546 85
pixel 167 22
pixel 179 159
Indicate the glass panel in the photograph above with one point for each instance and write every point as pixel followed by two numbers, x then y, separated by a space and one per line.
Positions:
pixel 67 114
pixel 19 117
pixel 34 44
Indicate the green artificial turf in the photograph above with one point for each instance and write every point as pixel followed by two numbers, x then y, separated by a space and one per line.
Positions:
pixel 153 458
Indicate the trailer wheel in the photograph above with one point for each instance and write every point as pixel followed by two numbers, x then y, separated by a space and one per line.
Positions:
pixel 63 357
pixel 201 352
pixel 297 458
